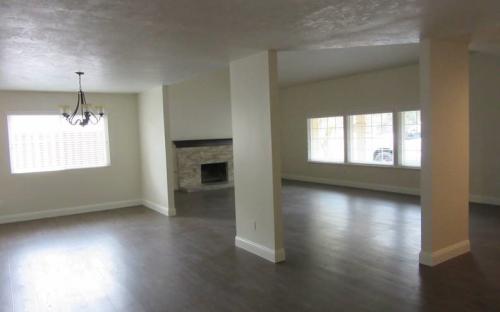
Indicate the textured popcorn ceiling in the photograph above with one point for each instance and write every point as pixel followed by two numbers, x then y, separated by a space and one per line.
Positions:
pixel 131 45
pixel 302 66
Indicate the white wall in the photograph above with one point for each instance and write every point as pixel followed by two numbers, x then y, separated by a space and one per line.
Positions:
pixel 154 147
pixel 201 107
pixel 40 194
pixel 386 90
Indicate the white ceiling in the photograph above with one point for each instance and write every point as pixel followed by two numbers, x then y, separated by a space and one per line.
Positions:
pixel 131 45
pixel 297 67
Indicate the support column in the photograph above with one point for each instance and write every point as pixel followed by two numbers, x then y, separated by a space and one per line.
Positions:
pixel 257 172
pixel 169 153
pixel 156 151
pixel 444 93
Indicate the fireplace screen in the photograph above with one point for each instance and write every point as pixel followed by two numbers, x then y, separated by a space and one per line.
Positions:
pixel 214 173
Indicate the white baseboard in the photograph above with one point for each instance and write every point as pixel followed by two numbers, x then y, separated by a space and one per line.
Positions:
pixel 259 250
pixel 27 216
pixel 381 187
pixel 444 254
pixel 159 208
pixel 360 185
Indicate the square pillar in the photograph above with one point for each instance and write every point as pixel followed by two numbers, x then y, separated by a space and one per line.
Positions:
pixel 156 151
pixel 444 93
pixel 257 172
pixel 169 154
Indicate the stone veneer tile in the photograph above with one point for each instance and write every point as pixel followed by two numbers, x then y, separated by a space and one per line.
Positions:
pixel 190 159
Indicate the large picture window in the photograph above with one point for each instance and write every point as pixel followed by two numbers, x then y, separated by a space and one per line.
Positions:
pixel 366 139
pixel 41 143
pixel 371 139
pixel 326 139
pixel 410 145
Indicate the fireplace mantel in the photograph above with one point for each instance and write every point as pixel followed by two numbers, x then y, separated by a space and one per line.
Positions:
pixel 202 142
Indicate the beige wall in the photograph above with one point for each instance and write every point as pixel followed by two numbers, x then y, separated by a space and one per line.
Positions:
pixel 381 91
pixel 444 95
pixel 257 177
pixel 386 90
pixel 485 127
pixel 153 146
pixel 201 107
pixel 38 192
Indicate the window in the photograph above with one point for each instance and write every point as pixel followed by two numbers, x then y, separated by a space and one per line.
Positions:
pixel 41 143
pixel 366 139
pixel 326 139
pixel 410 139
pixel 371 139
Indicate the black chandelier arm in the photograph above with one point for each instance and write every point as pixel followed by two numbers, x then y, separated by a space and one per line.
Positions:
pixel 71 118
pixel 74 119
pixel 82 114
pixel 73 114
pixel 82 102
pixel 97 118
pixel 77 108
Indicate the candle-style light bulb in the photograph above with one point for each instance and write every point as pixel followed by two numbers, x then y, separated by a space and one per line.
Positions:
pixel 99 110
pixel 63 109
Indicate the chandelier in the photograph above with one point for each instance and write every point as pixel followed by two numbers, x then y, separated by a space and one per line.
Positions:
pixel 83 113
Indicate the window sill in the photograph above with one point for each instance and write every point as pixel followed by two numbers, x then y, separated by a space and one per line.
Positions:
pixel 363 165
pixel 59 170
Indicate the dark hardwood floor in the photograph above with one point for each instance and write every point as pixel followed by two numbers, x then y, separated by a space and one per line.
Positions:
pixel 347 250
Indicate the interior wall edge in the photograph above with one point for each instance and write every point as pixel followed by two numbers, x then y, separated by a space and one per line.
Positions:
pixel 169 212
pixel 273 255
pixel 439 256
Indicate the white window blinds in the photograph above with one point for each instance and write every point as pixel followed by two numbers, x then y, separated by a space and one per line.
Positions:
pixel 41 143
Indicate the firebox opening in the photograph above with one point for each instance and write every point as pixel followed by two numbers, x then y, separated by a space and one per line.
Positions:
pixel 214 173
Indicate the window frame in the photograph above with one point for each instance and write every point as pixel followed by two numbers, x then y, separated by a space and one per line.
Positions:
pixel 349 141
pixel 309 140
pixel 397 136
pixel 105 120
pixel 400 138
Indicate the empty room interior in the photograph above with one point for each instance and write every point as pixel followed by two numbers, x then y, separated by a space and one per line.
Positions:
pixel 249 155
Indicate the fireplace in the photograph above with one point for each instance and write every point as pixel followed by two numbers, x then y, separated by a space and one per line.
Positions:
pixel 214 173
pixel 204 164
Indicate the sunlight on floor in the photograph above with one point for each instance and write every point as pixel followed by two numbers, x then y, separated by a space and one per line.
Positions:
pixel 65 278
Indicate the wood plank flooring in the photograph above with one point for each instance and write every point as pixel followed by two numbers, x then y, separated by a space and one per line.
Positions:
pixel 347 250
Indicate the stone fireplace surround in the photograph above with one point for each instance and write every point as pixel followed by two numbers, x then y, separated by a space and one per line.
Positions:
pixel 191 154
